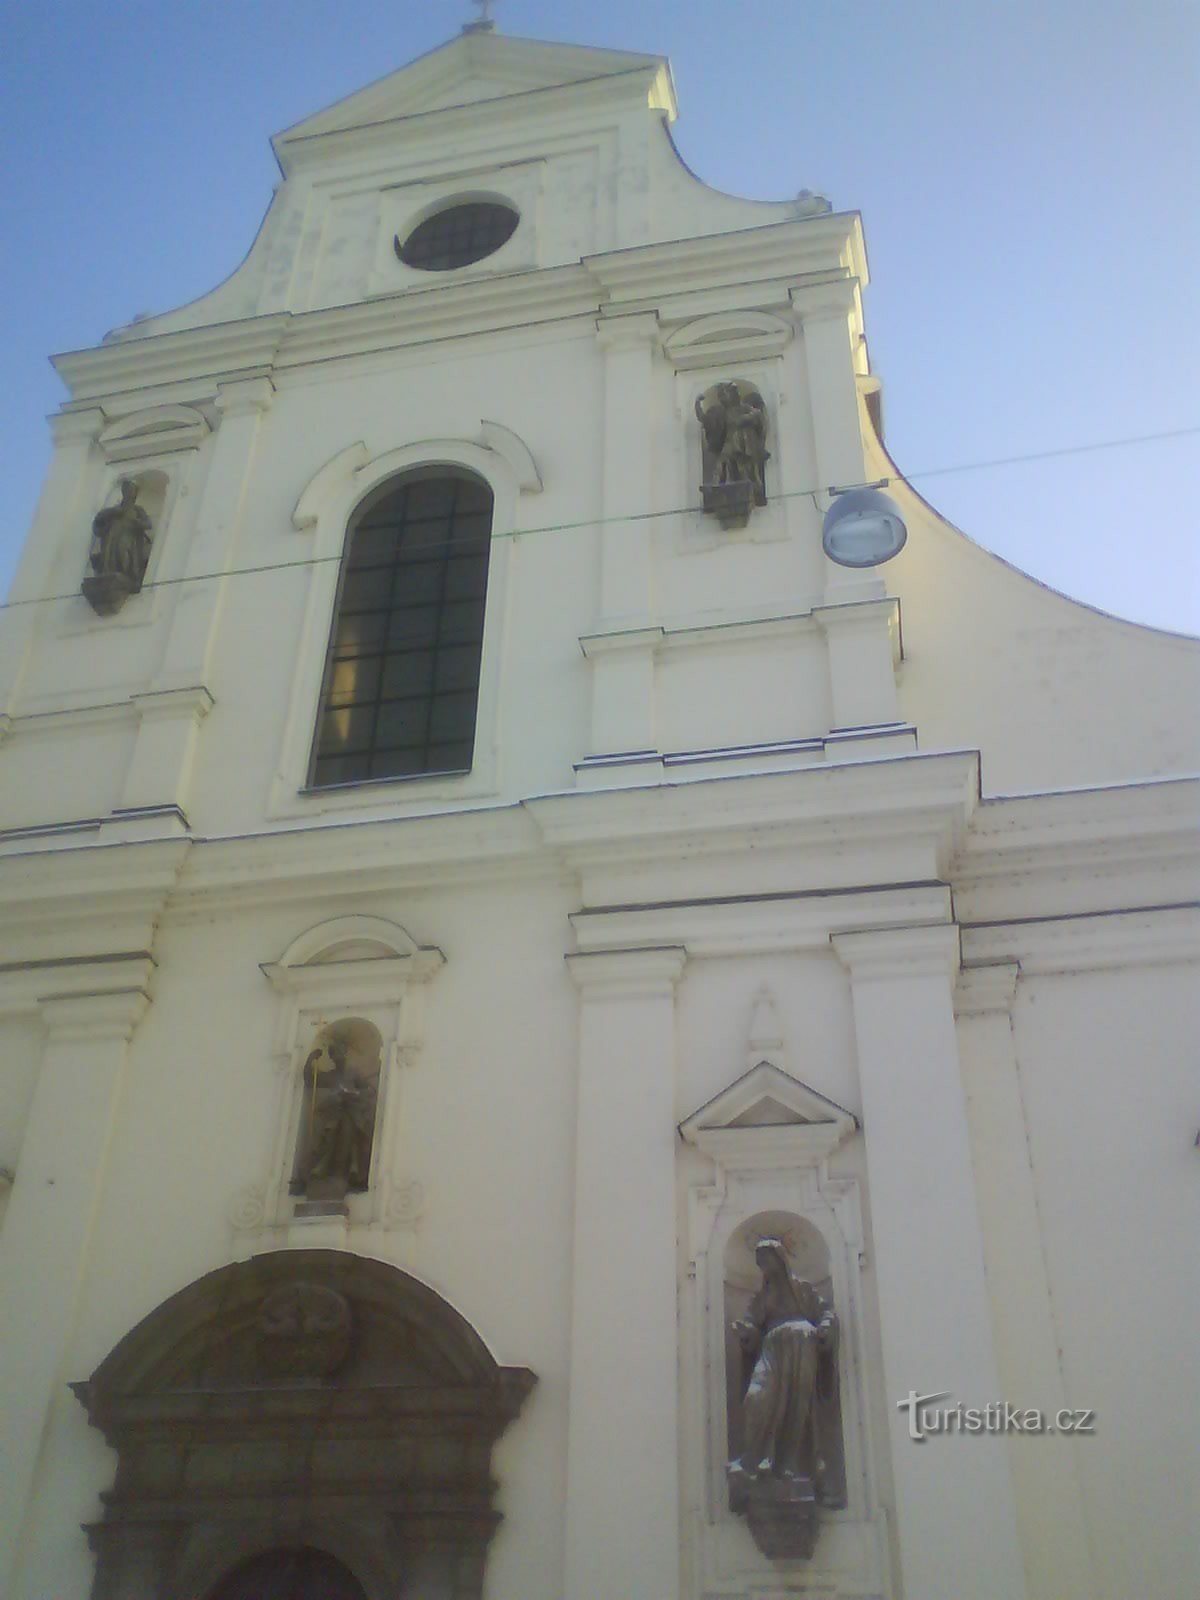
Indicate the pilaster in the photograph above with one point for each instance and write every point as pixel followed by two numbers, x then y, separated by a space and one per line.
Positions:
pixel 157 778
pixel 241 405
pixel 863 641
pixel 61 508
pixel 89 1019
pixel 1049 1498
pixel 956 1519
pixel 825 311
pixel 623 677
pixel 622 1490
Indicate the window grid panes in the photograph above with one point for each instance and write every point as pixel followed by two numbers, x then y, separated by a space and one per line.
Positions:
pixel 402 679
pixel 457 236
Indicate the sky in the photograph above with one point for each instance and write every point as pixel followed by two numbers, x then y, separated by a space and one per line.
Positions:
pixel 1026 171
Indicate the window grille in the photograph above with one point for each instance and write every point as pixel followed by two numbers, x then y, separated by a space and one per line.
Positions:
pixel 402 677
pixel 457 236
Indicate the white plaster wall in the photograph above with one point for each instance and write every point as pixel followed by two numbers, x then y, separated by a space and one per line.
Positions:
pixel 486 1128
pixel 1107 1073
pixel 1053 693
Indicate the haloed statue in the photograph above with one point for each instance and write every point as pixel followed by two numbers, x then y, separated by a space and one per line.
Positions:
pixel 791 1456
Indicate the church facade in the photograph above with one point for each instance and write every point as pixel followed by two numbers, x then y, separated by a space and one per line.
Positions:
pixel 560 1040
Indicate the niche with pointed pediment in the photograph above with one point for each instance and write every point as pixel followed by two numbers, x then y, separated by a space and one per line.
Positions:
pixel 772 1182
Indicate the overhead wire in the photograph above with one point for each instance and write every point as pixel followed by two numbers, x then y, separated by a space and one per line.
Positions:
pixel 650 516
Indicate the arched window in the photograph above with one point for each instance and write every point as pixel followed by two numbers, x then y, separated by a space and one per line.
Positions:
pixel 402 678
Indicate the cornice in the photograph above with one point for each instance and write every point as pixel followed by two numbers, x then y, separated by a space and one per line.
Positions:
pixel 462 125
pixel 761 924
pixel 1080 851
pixel 81 999
pixel 1022 832
pixel 898 797
pixel 788 251
pixel 651 971
pixel 986 990
pixel 223 351
pixel 921 802
pixel 876 954
pixel 336 860
pixel 745 261
pixel 86 899
pixel 1138 937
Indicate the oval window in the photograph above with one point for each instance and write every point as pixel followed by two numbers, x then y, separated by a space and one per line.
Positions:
pixel 458 235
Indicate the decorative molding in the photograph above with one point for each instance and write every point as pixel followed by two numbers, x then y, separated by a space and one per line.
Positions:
pixel 864 616
pixel 166 705
pixel 91 1017
pixel 241 397
pixel 756 925
pixel 354 966
pixel 626 330
pixel 874 954
pixel 652 970
pixel 315 945
pixel 767 1119
pixel 157 430
pixel 77 424
pixel 1094 942
pixel 726 337
pixel 338 470
pixel 504 442
pixel 986 990
pixel 405 1204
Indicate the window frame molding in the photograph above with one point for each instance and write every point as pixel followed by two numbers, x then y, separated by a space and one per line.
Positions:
pixel 323 514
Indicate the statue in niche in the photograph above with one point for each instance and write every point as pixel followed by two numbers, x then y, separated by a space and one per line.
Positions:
pixel 733 428
pixel 119 554
pixel 790 1460
pixel 338 1115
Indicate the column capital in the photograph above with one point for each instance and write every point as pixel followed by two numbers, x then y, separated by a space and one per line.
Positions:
pixel 94 1017
pixel 245 396
pixel 189 700
pixel 986 990
pixel 825 302
pixel 99 999
pixel 628 330
pixel 897 953
pixel 77 427
pixel 628 973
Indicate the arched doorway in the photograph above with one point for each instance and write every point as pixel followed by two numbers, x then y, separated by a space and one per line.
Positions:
pixel 289 1418
pixel 300 1573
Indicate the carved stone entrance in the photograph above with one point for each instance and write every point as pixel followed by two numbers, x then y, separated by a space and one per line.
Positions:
pixel 305 1413
pixel 302 1574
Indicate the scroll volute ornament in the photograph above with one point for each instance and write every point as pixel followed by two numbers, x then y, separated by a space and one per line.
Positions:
pixel 733 429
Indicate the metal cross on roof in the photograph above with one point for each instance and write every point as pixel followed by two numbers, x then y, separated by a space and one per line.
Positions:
pixel 484 23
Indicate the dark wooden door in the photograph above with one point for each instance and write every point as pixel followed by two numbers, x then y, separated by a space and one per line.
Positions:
pixel 299 1574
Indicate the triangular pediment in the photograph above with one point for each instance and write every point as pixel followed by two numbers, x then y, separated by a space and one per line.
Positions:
pixel 473 68
pixel 764 1106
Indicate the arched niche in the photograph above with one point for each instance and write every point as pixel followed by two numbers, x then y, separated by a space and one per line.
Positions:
pixel 301 1400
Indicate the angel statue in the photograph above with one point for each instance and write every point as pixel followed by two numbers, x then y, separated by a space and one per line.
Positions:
pixel 733 423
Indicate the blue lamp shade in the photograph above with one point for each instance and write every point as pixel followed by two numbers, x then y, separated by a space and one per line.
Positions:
pixel 863 528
